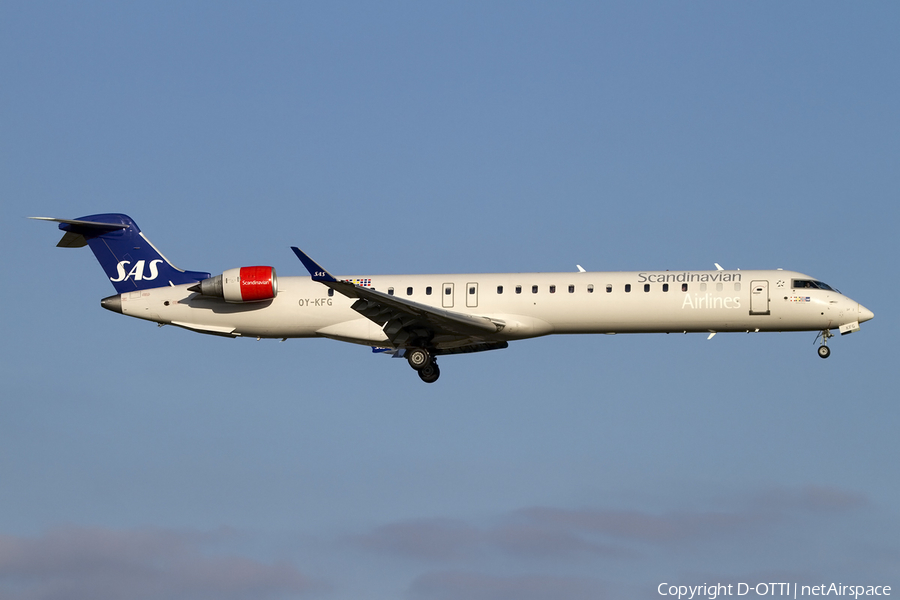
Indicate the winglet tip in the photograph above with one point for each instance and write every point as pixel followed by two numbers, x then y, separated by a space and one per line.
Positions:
pixel 315 270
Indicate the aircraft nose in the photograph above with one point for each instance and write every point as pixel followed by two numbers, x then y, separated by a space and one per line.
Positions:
pixel 865 314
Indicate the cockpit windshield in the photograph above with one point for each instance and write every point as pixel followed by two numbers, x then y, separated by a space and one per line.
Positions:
pixel 810 283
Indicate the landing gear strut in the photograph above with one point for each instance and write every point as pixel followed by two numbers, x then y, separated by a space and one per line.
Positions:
pixel 824 350
pixel 422 361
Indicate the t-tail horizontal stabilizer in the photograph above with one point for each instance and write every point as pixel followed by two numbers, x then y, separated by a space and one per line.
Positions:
pixel 72 238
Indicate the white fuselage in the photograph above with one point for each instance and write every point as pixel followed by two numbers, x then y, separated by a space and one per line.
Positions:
pixel 526 304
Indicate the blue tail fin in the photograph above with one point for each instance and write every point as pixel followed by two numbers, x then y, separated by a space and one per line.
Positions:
pixel 131 262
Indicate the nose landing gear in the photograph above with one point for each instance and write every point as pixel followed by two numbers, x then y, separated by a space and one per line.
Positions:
pixel 423 361
pixel 824 350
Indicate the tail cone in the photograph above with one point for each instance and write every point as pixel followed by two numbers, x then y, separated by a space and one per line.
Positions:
pixel 113 303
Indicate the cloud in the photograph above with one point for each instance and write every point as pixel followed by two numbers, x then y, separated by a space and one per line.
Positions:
pixel 473 586
pixel 449 539
pixel 766 508
pixel 809 498
pixel 563 533
pixel 527 554
pixel 430 539
pixel 635 525
pixel 527 540
pixel 96 564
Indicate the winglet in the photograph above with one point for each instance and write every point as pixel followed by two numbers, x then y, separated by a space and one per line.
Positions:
pixel 315 270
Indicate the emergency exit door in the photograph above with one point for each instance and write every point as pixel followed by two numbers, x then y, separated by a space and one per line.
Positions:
pixel 447 296
pixel 471 295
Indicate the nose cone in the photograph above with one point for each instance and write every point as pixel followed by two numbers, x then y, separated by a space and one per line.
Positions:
pixel 865 314
pixel 113 303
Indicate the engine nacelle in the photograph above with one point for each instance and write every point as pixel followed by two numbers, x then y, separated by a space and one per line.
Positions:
pixel 245 284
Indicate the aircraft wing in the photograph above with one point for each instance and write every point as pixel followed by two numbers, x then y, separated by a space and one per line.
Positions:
pixel 403 320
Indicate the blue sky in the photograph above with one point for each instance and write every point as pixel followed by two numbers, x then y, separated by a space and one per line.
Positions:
pixel 148 463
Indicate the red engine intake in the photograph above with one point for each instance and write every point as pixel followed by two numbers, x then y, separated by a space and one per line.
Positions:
pixel 245 284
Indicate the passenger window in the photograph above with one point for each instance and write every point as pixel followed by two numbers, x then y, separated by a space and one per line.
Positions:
pixel 737 286
pixel 702 287
pixel 518 289
pixel 720 287
pixel 390 291
pixel 428 291
pixel 330 292
pixel 609 289
pixel 534 289
pixel 646 287
pixel 571 289
pixel 409 291
pixel 552 289
pixel 499 289
pixel 665 287
pixel 590 288
pixel 627 288
pixel 448 291
pixel 471 290
pixel 684 287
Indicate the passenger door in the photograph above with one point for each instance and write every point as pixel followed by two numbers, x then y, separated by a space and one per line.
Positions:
pixel 759 298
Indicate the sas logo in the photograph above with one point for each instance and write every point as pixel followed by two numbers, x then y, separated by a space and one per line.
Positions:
pixel 137 271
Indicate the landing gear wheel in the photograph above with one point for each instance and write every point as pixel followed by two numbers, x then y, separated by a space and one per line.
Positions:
pixel 429 373
pixel 418 358
pixel 824 350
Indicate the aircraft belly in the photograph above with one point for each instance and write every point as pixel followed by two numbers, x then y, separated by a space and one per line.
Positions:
pixel 359 331
pixel 644 316
pixel 520 327
pixel 293 313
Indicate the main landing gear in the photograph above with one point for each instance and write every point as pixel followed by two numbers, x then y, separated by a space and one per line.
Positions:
pixel 423 362
pixel 824 350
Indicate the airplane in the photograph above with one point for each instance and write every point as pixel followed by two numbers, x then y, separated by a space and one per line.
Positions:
pixel 421 317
